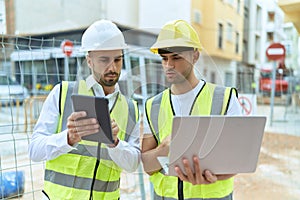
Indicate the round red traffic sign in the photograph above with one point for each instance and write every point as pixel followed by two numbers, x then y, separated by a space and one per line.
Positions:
pixel 275 51
pixel 67 47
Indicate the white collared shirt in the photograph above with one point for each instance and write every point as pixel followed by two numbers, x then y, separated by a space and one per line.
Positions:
pixel 46 144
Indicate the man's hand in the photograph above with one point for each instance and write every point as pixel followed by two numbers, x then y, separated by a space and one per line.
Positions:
pixel 115 131
pixel 164 146
pixel 78 127
pixel 195 178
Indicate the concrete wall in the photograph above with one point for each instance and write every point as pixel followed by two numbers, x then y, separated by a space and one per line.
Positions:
pixel 153 14
pixel 125 12
pixel 35 16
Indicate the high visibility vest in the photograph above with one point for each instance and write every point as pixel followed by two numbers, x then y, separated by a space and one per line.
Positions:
pixel 211 100
pixel 71 176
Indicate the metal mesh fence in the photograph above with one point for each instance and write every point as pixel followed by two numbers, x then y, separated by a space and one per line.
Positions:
pixel 29 68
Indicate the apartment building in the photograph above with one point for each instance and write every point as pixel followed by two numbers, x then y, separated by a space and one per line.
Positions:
pixel 263 25
pixel 234 33
pixel 220 27
pixel 291 10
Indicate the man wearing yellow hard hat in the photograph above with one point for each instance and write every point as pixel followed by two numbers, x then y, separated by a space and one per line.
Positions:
pixel 179 47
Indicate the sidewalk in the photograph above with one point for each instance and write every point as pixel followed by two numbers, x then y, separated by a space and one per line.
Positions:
pixel 286 120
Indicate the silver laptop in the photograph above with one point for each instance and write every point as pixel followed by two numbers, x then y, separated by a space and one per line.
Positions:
pixel 224 144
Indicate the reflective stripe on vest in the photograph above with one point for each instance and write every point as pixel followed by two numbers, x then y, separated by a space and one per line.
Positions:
pixel 156 197
pixel 70 176
pixel 211 100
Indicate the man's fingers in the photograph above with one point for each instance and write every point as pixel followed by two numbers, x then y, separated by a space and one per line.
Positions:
pixel 88 132
pixel 88 127
pixel 115 129
pixel 77 115
pixel 180 174
pixel 189 172
pixel 210 177
pixel 198 175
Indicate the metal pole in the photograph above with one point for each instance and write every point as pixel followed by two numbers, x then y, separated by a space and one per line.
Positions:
pixel 272 92
pixel 66 74
pixel 142 186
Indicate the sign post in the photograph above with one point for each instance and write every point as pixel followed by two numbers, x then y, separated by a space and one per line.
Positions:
pixel 275 52
pixel 67 48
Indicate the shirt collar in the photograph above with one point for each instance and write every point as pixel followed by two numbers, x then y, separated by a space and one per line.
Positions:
pixel 98 89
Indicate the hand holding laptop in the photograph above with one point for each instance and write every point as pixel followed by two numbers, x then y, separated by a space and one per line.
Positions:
pixel 197 177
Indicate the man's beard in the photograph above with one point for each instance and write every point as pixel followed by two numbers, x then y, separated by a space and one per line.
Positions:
pixel 105 82
pixel 178 78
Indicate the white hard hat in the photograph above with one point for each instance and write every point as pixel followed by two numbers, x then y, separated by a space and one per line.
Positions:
pixel 102 35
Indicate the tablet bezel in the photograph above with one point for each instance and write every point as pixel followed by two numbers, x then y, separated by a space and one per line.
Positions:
pixel 95 107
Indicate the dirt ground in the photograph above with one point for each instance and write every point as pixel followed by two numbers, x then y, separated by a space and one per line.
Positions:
pixel 278 172
pixel 277 175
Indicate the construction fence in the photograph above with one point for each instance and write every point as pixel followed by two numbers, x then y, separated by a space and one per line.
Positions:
pixel 29 69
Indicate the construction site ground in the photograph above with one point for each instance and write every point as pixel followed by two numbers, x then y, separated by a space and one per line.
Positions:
pixel 278 172
pixel 277 175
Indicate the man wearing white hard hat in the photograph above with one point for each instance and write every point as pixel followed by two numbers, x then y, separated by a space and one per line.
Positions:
pixel 179 46
pixel 72 171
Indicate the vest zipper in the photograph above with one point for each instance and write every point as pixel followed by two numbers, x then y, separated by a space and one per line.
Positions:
pixel 180 190
pixel 95 170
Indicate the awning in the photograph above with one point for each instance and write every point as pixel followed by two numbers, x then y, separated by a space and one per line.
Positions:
pixel 43 54
pixel 30 55
pixel 291 9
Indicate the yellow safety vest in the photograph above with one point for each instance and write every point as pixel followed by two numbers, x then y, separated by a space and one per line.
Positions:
pixel 211 100
pixel 71 176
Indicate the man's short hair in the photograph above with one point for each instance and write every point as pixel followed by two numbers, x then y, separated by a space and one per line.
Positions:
pixel 175 49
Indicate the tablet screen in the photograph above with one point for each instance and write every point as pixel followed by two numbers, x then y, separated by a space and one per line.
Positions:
pixel 95 107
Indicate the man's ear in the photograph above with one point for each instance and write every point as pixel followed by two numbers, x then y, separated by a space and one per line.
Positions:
pixel 196 56
pixel 89 61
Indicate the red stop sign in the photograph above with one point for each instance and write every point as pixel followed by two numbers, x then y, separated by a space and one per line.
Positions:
pixel 275 51
pixel 67 47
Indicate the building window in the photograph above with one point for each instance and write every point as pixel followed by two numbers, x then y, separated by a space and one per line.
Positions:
pixel 258 18
pixel 229 31
pixel 288 49
pixel 228 79
pixel 271 16
pixel 257 48
pixel 220 35
pixel 197 17
pixel 270 36
pixel 245 50
pixel 237 39
pixel 238 6
pixel 2 12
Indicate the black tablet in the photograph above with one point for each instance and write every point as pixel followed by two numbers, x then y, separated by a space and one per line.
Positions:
pixel 95 107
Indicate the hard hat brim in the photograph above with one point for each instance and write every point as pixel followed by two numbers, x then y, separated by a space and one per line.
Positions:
pixel 82 49
pixel 174 43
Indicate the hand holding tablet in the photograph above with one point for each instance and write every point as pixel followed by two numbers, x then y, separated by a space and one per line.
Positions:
pixel 95 107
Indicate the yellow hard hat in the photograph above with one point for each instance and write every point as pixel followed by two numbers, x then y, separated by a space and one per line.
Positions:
pixel 177 33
